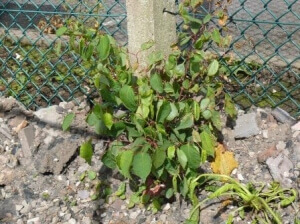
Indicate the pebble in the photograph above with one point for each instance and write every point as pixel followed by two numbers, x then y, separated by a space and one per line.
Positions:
pixel 134 215
pixel 86 220
pixel 72 221
pixel 167 207
pixel 35 220
pixel 240 177
pixel 19 207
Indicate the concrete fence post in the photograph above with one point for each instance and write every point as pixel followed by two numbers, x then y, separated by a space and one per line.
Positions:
pixel 146 21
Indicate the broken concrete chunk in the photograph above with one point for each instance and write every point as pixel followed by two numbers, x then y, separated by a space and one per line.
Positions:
pixel 279 168
pixel 51 115
pixel 246 126
pixel 27 137
pixel 282 116
pixel 52 159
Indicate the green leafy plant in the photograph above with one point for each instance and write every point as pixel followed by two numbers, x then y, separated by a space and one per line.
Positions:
pixel 262 202
pixel 163 121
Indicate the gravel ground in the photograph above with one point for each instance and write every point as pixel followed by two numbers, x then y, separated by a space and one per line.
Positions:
pixel 39 185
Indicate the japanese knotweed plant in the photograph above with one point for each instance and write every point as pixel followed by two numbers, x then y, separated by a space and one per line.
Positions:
pixel 162 123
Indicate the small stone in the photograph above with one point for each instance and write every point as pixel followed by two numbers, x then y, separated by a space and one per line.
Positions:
pixel 167 207
pixel 68 217
pixel 50 115
pixel 86 220
pixel 75 209
pixel 103 215
pixel 296 150
pixel 65 208
pixel 26 209
pixel 296 127
pixel 83 194
pixel 280 145
pixel 19 207
pixel 134 215
pixel 265 134
pixel 278 167
pixel 240 177
pixel 251 154
pixel 27 137
pixel 35 220
pixel 163 218
pixel 246 126
pixel 282 116
pixel 296 133
pixel 20 221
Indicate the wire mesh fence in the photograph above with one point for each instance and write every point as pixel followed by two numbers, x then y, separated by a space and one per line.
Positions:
pixel 265 49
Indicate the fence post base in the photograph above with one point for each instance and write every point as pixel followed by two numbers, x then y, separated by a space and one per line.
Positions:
pixel 146 21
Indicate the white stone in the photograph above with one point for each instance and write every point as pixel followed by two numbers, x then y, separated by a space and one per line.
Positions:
pixel 265 134
pixel 167 207
pixel 20 221
pixel 295 134
pixel 72 221
pixel 296 127
pixel 35 220
pixel 19 207
pixel 280 145
pixel 86 220
pixel 134 215
pixel 240 177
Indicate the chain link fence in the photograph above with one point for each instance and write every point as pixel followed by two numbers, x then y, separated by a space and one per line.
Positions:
pixel 265 49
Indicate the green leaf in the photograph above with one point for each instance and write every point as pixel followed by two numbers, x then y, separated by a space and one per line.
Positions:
pixel 109 159
pixel 141 165
pixel 204 104
pixel 86 151
pixel 207 18
pixel 196 136
pixel 121 190
pixel 61 31
pixel 82 176
pixel 207 114
pixel 182 158
pixel 215 35
pixel 164 109
pixel 196 110
pixel 156 83
pixel 174 112
pixel 108 120
pixel 103 47
pixel 92 175
pixel 158 157
pixel 127 96
pixel 213 68
pixel 192 155
pixel 216 120
pixel 207 142
pixel 147 45
pixel 124 162
pixel 67 121
pixel 186 122
pixel 171 152
pixel 169 193
pixel 143 111
pixel 229 106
